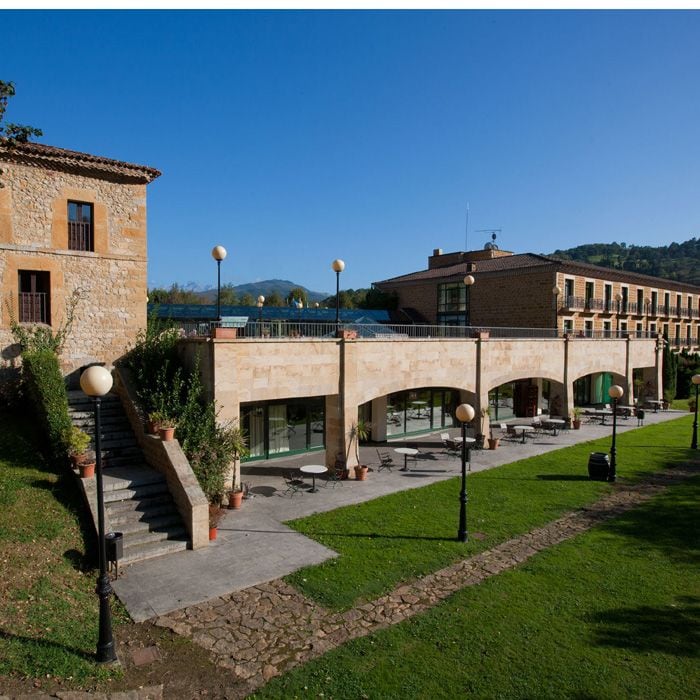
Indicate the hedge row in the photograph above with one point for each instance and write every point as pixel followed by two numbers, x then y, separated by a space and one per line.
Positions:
pixel 47 393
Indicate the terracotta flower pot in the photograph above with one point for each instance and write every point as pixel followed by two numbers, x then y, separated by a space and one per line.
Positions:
pixel 235 498
pixel 151 427
pixel 212 533
pixel 361 472
pixel 493 443
pixel 167 434
pixel 576 424
pixel 87 470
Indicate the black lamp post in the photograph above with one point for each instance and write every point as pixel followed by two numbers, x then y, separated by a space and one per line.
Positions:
pixel 95 382
pixel 337 266
pixel 465 414
pixel 694 443
pixel 556 292
pixel 468 282
pixel 261 302
pixel 218 253
pixel 615 392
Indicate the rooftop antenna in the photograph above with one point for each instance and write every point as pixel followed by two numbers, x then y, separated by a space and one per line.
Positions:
pixel 493 232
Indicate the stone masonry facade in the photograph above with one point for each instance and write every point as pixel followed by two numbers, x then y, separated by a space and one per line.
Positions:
pixel 38 183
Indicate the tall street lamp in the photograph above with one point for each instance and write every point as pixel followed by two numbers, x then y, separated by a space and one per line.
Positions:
pixel 260 302
pixel 465 414
pixel 615 392
pixel 95 382
pixel 337 266
pixel 556 293
pixel 468 282
pixel 694 444
pixel 218 252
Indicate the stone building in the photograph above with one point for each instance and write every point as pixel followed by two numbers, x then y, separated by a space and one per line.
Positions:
pixel 533 291
pixel 73 222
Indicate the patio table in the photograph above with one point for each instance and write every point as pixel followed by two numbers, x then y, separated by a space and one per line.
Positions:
pixel 524 429
pixel 313 469
pixel 406 451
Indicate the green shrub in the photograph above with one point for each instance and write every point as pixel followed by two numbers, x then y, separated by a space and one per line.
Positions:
pixel 46 391
pixel 167 389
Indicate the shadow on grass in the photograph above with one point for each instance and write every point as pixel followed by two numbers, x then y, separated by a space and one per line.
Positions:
pixel 348 535
pixel 669 523
pixel 673 629
pixel 563 477
pixel 36 645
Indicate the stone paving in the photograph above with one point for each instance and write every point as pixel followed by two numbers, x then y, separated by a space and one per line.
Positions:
pixel 266 630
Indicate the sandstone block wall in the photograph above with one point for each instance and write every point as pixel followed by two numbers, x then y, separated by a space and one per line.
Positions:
pixel 112 279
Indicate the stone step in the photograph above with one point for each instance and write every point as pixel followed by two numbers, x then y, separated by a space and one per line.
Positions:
pixel 133 504
pixel 155 525
pixel 125 478
pixel 135 492
pixel 142 514
pixel 152 549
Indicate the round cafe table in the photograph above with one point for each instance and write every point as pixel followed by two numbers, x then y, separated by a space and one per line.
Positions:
pixel 313 469
pixel 406 451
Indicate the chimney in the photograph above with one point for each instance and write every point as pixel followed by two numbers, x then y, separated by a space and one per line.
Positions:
pixel 437 251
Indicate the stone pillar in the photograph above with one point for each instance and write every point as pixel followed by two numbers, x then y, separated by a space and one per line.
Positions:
pixel 379 419
pixel 629 373
pixel 568 387
pixel 335 448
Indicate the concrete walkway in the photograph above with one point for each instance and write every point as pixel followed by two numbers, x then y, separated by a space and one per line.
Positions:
pixel 254 546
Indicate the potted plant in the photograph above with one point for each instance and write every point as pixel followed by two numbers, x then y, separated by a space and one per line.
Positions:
pixel 215 515
pixel 86 465
pixel 360 431
pixel 166 430
pixel 235 498
pixel 153 422
pixel 576 413
pixel 77 443
pixel 493 441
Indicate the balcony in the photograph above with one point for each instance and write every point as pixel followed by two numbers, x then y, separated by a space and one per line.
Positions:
pixel 80 235
pixel 33 307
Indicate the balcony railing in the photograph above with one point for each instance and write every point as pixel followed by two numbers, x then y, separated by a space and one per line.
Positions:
pixel 33 307
pixel 272 330
pixel 80 235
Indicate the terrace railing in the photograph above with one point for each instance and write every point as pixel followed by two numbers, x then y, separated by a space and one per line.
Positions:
pixel 271 330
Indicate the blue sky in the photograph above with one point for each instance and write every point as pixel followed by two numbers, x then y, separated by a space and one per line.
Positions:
pixel 293 138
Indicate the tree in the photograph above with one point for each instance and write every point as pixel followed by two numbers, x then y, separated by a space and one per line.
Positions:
pixel 274 299
pixel 12 134
pixel 247 300
pixel 228 295
pixel 296 294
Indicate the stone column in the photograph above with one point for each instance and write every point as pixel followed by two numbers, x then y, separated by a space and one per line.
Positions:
pixel 379 419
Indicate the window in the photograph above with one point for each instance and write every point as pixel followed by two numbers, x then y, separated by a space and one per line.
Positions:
pixel 452 303
pixel 607 329
pixel 34 295
pixel 652 329
pixel 640 330
pixel 588 326
pixel 608 297
pixel 654 303
pixel 590 290
pixel 80 226
pixel 640 301
pixel 625 299
pixel 568 325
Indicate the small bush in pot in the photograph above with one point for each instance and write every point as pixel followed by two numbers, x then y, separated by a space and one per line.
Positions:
pixel 77 443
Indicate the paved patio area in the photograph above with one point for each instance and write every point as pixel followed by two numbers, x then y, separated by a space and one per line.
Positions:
pixel 254 546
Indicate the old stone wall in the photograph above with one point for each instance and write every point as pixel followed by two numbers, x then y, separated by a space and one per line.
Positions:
pixel 112 279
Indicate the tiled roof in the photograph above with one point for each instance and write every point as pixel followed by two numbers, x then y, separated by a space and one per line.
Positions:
pixel 39 154
pixel 503 263
pixel 531 261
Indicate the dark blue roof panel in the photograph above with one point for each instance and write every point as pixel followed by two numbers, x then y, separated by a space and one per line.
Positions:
pixel 202 312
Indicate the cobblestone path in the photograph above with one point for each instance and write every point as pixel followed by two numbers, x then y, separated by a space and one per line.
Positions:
pixel 266 630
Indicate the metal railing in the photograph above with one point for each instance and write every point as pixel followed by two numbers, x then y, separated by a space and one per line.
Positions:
pixel 283 329
pixel 80 235
pixel 33 307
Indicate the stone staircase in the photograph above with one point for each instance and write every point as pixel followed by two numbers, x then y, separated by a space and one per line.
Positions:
pixel 137 500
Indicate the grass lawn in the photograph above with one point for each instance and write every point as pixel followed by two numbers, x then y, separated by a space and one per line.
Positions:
pixel 412 533
pixel 48 608
pixel 613 613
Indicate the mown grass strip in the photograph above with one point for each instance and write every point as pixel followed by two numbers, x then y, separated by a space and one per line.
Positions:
pixel 412 533
pixel 613 613
pixel 48 608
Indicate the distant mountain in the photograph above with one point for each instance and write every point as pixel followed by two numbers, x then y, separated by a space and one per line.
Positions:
pixel 266 288
pixel 677 261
